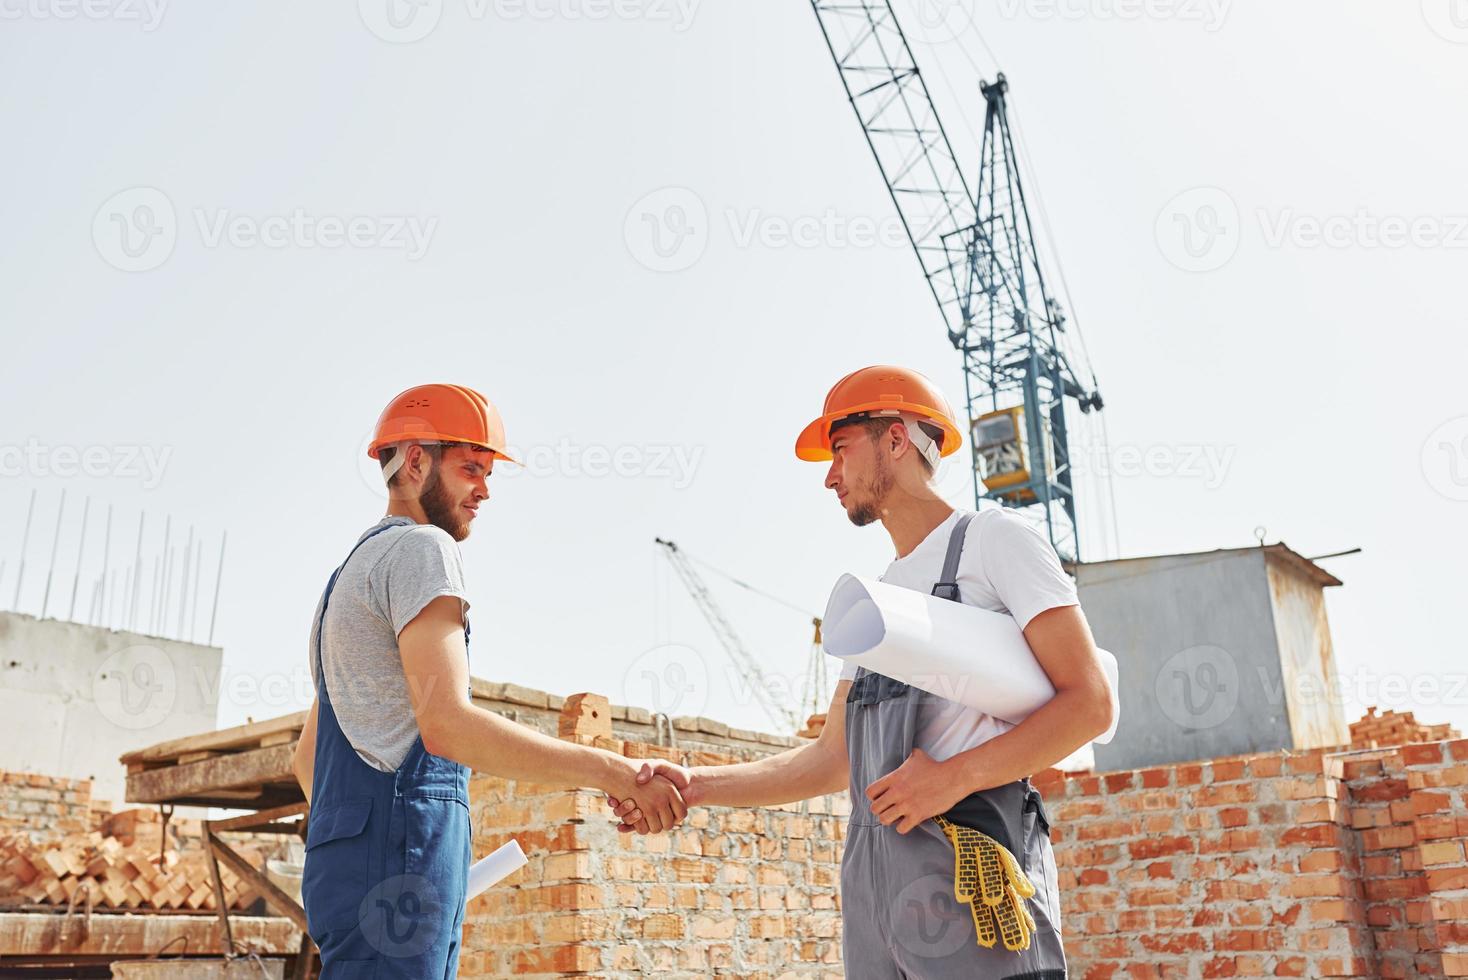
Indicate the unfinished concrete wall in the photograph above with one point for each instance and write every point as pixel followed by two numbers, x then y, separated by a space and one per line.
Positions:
pixel 1307 657
pixel 1222 653
pixel 74 697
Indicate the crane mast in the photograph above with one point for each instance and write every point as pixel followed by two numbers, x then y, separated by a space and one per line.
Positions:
pixel 977 252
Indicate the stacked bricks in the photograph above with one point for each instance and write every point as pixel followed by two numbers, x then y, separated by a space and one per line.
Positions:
pixel 1315 864
pixel 735 892
pixel 46 806
pixel 1374 730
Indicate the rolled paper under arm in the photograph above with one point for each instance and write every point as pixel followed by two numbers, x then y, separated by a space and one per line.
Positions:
pixel 504 861
pixel 974 656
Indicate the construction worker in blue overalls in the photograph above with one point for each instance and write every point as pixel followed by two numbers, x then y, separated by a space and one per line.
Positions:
pixel 386 751
pixel 948 871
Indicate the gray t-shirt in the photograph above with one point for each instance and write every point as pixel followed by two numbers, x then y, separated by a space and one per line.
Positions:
pixel 383 587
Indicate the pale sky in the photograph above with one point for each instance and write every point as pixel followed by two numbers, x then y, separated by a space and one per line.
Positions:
pixel 1259 207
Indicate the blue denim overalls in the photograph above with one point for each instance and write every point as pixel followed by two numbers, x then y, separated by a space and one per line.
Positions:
pixel 899 915
pixel 387 853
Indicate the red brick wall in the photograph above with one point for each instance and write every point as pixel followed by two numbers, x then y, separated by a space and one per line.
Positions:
pixel 1314 864
pixel 737 892
pixel 1328 863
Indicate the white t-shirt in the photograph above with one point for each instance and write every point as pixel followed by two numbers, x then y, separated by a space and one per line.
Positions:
pixel 1007 566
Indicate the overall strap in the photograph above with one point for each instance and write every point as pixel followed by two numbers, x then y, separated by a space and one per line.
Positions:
pixel 947 587
pixel 326 598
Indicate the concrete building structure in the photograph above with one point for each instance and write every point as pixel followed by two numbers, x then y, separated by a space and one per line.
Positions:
pixel 1222 653
pixel 75 697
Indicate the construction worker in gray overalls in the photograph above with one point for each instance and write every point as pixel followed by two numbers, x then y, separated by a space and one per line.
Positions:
pixel 385 754
pixel 948 869
pixel 991 851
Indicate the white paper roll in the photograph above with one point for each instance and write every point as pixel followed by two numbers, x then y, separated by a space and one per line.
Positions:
pixel 974 656
pixel 499 865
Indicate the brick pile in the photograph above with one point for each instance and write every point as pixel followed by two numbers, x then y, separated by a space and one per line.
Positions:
pixel 1391 728
pixel 129 862
pixel 44 806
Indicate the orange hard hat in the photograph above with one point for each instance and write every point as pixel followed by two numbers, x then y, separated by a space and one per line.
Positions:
pixel 441 413
pixel 879 390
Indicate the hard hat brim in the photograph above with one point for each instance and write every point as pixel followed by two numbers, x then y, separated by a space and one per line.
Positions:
pixel 813 445
pixel 375 449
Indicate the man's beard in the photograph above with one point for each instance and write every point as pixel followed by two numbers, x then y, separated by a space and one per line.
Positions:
pixel 875 494
pixel 442 510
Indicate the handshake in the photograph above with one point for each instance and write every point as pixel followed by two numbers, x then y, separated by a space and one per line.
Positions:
pixel 653 798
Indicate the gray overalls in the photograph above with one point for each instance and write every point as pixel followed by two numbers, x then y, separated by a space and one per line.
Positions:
pixel 899 915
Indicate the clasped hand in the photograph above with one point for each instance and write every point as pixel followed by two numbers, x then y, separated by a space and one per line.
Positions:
pixel 663 793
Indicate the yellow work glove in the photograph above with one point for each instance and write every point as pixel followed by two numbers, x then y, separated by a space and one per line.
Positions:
pixel 988 878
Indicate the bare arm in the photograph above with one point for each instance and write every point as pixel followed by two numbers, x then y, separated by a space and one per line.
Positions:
pixel 808 770
pixel 797 774
pixel 303 762
pixel 452 726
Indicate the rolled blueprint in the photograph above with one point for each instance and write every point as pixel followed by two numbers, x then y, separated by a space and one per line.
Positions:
pixel 503 862
pixel 974 656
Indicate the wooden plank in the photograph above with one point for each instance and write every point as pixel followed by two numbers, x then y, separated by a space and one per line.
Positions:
pixel 241 770
pixel 274 896
pixel 256 798
pixel 223 904
pixel 241 736
pixel 32 934
pixel 250 821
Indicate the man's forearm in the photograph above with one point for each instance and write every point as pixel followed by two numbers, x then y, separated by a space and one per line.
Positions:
pixel 488 743
pixel 802 772
pixel 1065 723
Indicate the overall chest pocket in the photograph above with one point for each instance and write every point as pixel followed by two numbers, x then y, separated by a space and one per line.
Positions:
pixel 334 881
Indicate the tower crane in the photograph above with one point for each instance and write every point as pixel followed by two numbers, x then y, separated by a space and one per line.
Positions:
pixel 978 255
pixel 771 699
